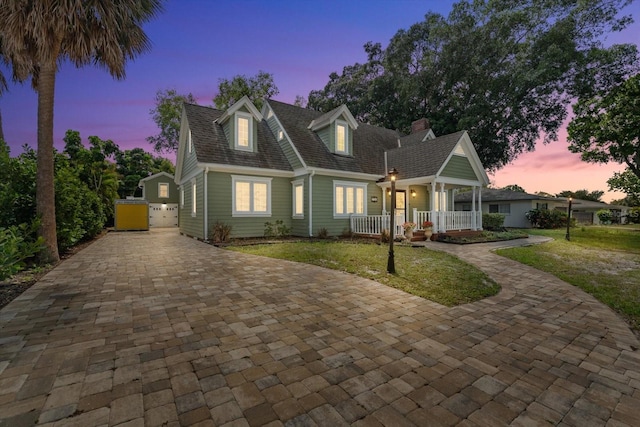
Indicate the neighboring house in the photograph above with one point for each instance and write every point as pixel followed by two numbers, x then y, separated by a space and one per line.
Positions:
pixel 316 171
pixel 515 204
pixel 161 191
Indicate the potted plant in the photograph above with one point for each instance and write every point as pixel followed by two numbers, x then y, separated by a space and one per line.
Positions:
pixel 427 226
pixel 408 229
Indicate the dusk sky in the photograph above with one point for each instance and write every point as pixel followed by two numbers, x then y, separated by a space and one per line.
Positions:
pixel 197 42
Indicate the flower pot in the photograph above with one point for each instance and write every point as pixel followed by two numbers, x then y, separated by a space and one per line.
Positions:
pixel 428 232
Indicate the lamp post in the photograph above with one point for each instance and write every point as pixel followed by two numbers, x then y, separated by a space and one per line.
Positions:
pixel 567 236
pixel 391 266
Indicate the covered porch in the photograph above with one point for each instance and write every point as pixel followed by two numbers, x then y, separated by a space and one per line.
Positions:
pixel 418 203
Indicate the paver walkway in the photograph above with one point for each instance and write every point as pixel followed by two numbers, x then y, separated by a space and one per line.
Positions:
pixel 158 329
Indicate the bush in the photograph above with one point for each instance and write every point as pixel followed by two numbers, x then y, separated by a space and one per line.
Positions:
pixel 493 221
pixel 277 230
pixel 633 216
pixel 548 219
pixel 346 233
pixel 221 232
pixel 79 213
pixel 323 233
pixel 17 245
pixel 605 216
pixel 384 236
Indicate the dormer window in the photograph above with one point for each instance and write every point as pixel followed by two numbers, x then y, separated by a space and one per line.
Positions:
pixel 244 134
pixel 341 138
pixel 280 135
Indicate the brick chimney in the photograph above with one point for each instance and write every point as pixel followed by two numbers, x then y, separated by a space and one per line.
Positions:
pixel 420 124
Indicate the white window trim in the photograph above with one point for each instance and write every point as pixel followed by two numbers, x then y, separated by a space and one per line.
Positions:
pixel 280 134
pixel 190 141
pixel 160 184
pixel 346 137
pixel 294 185
pixel 353 184
pixel 249 117
pixel 499 208
pixel 182 196
pixel 250 179
pixel 194 199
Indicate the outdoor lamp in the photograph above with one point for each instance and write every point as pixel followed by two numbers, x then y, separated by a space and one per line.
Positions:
pixel 413 193
pixel 391 266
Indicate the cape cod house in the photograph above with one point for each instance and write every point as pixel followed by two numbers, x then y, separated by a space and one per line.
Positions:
pixel 317 171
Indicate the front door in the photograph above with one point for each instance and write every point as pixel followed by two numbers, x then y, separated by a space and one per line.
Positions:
pixel 401 209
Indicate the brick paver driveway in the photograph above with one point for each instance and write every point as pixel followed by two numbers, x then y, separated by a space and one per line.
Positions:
pixel 159 329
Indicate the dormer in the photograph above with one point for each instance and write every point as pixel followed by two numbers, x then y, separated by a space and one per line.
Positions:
pixel 240 125
pixel 335 129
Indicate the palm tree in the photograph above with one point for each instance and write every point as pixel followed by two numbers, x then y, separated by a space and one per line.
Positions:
pixel 36 36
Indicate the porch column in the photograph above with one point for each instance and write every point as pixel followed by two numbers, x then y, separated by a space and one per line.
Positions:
pixel 480 208
pixel 443 224
pixel 432 201
pixel 474 224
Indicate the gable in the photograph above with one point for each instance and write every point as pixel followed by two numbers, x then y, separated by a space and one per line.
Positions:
pixel 459 167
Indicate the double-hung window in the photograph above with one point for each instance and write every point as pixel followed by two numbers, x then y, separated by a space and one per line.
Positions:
pixel 349 198
pixel 251 196
pixel 244 133
pixel 194 198
pixel 503 208
pixel 163 190
pixel 342 138
pixel 298 199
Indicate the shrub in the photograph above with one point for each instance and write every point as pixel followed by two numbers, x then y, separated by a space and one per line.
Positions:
pixel 277 230
pixel 605 216
pixel 323 233
pixel 17 244
pixel 548 219
pixel 493 221
pixel 633 216
pixel 221 232
pixel 346 233
pixel 384 236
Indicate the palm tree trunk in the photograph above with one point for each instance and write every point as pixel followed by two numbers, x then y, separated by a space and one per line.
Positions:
pixel 45 190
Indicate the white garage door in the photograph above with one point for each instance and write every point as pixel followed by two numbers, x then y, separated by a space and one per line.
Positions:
pixel 163 214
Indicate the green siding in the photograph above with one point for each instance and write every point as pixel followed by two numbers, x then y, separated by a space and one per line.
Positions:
pixel 323 204
pixel 328 136
pixel 189 225
pixel 220 209
pixel 300 226
pixel 324 135
pixel 287 148
pixel 151 190
pixel 189 163
pixel 459 167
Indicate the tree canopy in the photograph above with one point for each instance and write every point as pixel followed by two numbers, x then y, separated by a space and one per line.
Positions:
pixel 628 183
pixel 594 196
pixel 167 114
pixel 514 187
pixel 607 127
pixel 256 87
pixel 504 71
pixel 36 36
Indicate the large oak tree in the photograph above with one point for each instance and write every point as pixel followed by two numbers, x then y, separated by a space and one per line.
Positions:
pixel 505 71
pixel 36 36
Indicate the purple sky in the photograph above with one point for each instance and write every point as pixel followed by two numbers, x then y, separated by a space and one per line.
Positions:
pixel 197 42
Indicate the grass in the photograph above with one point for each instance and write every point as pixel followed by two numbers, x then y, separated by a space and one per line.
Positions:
pixel 603 261
pixel 436 276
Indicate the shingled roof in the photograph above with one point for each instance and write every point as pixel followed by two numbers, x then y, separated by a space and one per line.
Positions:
pixel 502 195
pixel 211 146
pixel 369 142
pixel 418 159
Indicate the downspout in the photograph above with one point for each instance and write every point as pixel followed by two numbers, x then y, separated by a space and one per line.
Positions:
pixel 311 203
pixel 206 204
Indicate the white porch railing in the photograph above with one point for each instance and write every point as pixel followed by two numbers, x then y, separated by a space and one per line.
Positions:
pixel 374 224
pixel 442 222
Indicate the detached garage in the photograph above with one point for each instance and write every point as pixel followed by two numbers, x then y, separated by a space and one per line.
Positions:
pixel 161 192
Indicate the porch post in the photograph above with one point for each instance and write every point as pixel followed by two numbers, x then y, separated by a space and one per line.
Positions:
pixel 434 217
pixel 474 223
pixel 414 218
pixel 480 209
pixel 443 224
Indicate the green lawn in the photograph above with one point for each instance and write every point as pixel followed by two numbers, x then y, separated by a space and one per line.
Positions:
pixel 603 261
pixel 433 275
